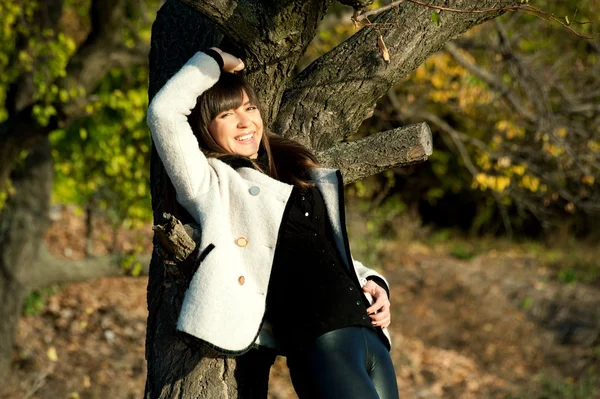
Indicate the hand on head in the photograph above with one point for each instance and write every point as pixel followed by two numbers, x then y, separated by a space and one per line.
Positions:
pixel 230 62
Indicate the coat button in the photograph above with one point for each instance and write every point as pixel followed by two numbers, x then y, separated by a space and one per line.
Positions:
pixel 241 280
pixel 254 190
pixel 358 303
pixel 242 241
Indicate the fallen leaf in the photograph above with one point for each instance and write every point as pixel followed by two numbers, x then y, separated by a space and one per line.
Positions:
pixel 52 355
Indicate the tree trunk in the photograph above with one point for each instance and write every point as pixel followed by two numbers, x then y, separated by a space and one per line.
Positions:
pixel 177 368
pixel 24 221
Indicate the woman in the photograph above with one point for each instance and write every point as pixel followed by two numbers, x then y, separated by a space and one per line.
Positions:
pixel 272 222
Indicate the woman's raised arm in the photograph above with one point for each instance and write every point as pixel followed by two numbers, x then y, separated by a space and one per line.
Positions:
pixel 175 142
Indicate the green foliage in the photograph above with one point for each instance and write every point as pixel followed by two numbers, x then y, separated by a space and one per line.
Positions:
pixel 130 264
pixel 435 17
pixel 526 303
pixel 462 253
pixel 36 301
pixel 568 388
pixel 42 51
pixel 587 273
pixel 103 158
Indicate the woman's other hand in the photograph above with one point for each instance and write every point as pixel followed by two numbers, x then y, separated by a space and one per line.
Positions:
pixel 230 62
pixel 379 311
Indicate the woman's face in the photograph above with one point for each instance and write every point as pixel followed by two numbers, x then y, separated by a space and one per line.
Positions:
pixel 238 131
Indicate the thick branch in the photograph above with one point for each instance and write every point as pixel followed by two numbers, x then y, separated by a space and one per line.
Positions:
pixel 330 99
pixel 270 36
pixel 398 147
pixel 52 270
pixel 235 18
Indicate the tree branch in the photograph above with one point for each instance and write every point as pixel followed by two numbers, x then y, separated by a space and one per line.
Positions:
pixel 492 81
pixel 270 36
pixel 398 147
pixel 52 270
pixel 329 100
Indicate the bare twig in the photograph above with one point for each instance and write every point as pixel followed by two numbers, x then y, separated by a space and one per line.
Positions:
pixel 521 8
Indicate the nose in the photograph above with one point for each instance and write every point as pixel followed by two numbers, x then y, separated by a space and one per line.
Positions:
pixel 243 121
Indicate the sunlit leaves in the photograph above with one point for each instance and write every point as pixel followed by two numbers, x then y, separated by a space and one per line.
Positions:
pixel 103 158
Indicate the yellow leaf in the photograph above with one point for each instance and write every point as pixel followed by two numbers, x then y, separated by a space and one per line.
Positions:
pixel 52 355
pixel 589 180
pixel 561 132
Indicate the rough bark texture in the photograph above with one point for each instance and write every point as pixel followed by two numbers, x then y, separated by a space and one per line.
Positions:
pixel 373 154
pixel 329 100
pixel 270 36
pixel 177 368
pixel 24 221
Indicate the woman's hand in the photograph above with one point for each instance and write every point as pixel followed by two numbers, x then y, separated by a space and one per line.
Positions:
pixel 230 62
pixel 379 311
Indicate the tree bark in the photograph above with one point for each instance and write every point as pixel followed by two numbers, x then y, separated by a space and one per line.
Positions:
pixel 359 159
pixel 176 367
pixel 24 221
pixel 329 100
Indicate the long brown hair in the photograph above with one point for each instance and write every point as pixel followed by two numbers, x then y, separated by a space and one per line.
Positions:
pixel 283 159
pixel 280 158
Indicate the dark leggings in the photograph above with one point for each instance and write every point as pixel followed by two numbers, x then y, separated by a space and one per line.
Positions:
pixel 348 363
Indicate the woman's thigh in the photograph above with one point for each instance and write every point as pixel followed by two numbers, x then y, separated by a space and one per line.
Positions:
pixel 338 365
pixel 380 367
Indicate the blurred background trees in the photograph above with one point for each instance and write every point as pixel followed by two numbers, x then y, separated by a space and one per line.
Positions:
pixel 515 107
pixel 72 104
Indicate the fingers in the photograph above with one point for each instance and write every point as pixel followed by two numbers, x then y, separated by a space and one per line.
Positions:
pixel 380 295
pixel 378 304
pixel 230 62
pixel 379 311
pixel 381 318
pixel 240 66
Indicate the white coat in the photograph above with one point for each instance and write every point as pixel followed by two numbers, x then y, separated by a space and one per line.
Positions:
pixel 239 211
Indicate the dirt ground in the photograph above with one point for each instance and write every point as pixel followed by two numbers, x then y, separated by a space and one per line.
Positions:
pixel 494 326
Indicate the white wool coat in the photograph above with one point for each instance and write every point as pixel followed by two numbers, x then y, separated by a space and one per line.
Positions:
pixel 240 213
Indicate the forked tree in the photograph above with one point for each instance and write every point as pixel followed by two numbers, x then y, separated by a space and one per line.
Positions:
pixel 320 107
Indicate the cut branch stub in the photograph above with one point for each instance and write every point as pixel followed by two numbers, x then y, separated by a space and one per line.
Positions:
pixel 403 146
pixel 176 240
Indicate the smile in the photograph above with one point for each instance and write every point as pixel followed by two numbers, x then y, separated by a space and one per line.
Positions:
pixel 245 138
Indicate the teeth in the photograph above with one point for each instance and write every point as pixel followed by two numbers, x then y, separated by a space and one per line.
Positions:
pixel 245 138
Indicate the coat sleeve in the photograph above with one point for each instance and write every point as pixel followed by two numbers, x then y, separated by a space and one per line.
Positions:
pixel 365 274
pixel 173 138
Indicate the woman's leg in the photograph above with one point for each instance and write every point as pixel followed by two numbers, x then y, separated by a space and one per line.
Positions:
pixel 338 365
pixel 252 372
pixel 380 367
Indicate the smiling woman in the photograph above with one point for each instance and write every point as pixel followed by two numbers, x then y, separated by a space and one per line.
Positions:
pixel 239 130
pixel 272 224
